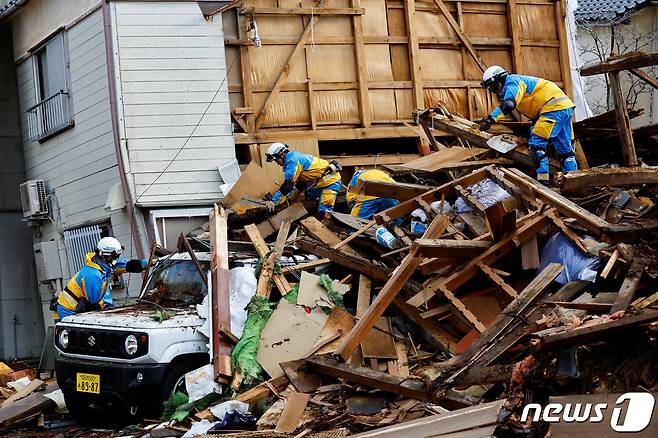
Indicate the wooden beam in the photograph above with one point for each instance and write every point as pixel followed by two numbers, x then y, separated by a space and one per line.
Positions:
pixel 397 280
pixel 354 235
pixel 623 122
pixel 630 284
pixel 362 74
pixel 283 76
pixel 328 134
pixel 318 230
pixel 645 77
pixel 460 33
pixel 263 250
pixel 608 177
pixel 621 63
pixel 221 315
pixel 498 280
pixel 263 391
pixel 414 53
pixel 302 11
pixel 371 378
pixel 515 33
pixel 445 248
pixel 304 266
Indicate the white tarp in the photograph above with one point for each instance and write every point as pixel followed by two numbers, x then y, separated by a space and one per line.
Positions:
pixel 582 110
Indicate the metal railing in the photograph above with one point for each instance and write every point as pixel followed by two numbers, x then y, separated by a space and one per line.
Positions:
pixel 49 116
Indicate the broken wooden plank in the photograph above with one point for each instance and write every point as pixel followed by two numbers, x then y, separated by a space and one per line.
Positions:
pixel 646 302
pixel 530 254
pixel 306 265
pixel 270 225
pixel 608 177
pixel 263 391
pixel 371 378
pixel 445 248
pixel 397 280
pixel 437 160
pixel 630 284
pixel 354 235
pixel 498 280
pixel 623 122
pixel 292 412
pixel 221 315
pixel 23 392
pixel 611 263
pixel 263 250
pixel 623 62
pixel 27 407
pixel 301 378
pixel 318 230
pixel 254 181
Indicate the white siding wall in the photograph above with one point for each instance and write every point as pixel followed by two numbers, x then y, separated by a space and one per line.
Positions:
pixel 172 70
pixel 79 165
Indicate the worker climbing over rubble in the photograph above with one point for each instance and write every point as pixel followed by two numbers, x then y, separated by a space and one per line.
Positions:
pixel 305 174
pixel 545 104
pixel 366 206
pixel 89 289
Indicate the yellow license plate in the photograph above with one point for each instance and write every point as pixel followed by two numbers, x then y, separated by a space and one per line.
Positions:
pixel 88 383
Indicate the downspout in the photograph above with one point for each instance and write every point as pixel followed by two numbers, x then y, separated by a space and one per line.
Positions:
pixel 130 207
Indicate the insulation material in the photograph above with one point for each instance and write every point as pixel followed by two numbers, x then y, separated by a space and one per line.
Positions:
pixel 400 62
pixel 382 104
pixel 433 24
pixel 454 98
pixel 289 107
pixel 336 106
pixel 404 102
pixel 335 63
pixel 533 19
pixel 374 20
pixel 441 64
pixel 534 59
pixel 486 25
pixel 378 63
pixel 267 65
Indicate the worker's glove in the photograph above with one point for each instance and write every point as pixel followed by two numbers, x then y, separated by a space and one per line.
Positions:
pixel 271 206
pixel 485 124
pixel 334 166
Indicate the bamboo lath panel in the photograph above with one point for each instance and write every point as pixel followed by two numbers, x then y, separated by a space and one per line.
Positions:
pixel 362 66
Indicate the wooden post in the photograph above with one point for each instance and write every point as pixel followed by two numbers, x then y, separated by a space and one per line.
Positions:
pixel 414 53
pixel 623 122
pixel 514 31
pixel 362 74
pixel 565 68
pixel 221 310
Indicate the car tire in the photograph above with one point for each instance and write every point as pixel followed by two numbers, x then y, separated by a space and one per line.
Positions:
pixel 175 378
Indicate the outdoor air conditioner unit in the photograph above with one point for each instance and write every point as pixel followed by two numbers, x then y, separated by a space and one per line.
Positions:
pixel 33 198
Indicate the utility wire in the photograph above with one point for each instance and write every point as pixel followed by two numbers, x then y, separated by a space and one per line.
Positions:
pixel 192 133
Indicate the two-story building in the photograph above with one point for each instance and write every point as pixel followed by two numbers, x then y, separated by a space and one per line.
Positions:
pixel 124 115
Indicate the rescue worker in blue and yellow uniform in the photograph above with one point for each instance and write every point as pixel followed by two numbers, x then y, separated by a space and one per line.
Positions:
pixel 545 104
pixel 365 206
pixel 89 289
pixel 304 174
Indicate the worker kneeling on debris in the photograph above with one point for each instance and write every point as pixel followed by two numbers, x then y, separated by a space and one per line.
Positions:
pixel 545 104
pixel 365 206
pixel 304 174
pixel 89 289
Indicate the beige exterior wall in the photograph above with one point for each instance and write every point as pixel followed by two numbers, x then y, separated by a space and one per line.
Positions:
pixel 638 32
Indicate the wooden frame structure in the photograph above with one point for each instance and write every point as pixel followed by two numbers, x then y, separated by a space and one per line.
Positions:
pixel 357 69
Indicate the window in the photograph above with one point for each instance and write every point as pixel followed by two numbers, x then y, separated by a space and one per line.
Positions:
pixel 52 113
pixel 80 241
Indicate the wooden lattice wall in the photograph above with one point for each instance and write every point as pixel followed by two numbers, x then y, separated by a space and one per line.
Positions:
pixel 348 69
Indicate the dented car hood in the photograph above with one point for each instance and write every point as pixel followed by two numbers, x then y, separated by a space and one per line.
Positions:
pixel 125 317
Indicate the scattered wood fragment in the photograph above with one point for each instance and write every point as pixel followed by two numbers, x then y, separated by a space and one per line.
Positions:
pixel 292 413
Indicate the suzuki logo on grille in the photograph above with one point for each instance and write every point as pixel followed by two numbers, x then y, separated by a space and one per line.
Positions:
pixel 91 340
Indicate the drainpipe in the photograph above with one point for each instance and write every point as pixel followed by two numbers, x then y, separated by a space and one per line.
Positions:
pixel 130 207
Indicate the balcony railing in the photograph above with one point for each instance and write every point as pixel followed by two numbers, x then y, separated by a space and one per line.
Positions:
pixel 49 116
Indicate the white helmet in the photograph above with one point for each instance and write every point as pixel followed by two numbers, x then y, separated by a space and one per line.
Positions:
pixel 275 150
pixel 109 246
pixel 492 76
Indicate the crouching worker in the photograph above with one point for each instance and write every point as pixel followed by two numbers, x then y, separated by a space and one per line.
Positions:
pixel 306 175
pixel 365 206
pixel 545 104
pixel 89 289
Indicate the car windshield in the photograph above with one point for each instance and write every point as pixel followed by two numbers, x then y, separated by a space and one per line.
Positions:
pixel 175 283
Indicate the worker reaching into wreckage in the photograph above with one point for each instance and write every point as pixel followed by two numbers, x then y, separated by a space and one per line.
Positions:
pixel 89 289
pixel 545 104
pixel 305 174
pixel 365 206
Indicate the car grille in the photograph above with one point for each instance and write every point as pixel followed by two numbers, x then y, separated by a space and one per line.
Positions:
pixel 102 343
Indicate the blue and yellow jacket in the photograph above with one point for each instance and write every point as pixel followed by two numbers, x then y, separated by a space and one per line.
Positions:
pixel 92 283
pixel 304 168
pixel 355 199
pixel 533 96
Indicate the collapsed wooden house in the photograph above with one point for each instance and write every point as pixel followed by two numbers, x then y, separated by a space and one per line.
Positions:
pixel 344 70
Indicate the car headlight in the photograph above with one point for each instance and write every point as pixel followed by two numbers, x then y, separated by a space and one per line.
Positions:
pixel 64 338
pixel 131 344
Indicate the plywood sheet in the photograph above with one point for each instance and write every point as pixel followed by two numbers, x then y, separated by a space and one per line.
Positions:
pixel 397 25
pixel 272 26
pixel 273 171
pixel 267 64
pixel 534 60
pixel 378 344
pixel 433 24
pixel 537 22
pixel 435 161
pixel 382 104
pixel 336 106
pixel 292 413
pixel 253 182
pixel 288 335
pixel 340 323
pixel 400 62
pixel 441 64
pixel 332 63
pixel 375 20
pixel 486 25
pixel 454 98
pixel 289 108
pixel 502 58
pixel 328 26
pixel 404 104
pixel 378 63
